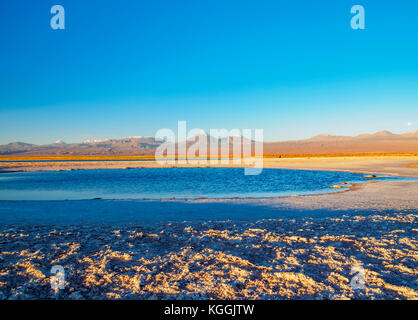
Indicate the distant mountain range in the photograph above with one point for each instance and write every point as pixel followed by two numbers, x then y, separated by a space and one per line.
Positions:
pixel 380 142
pixel 126 146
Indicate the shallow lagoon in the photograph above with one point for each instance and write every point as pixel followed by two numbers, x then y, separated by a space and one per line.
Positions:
pixel 166 183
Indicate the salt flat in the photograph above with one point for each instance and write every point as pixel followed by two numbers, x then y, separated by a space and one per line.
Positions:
pixel 280 258
pixel 277 248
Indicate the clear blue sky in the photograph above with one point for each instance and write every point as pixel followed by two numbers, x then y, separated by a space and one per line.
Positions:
pixel 121 68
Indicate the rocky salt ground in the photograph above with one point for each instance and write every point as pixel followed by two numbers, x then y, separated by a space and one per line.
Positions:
pixel 301 258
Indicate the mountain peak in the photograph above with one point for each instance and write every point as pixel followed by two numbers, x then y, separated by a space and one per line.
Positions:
pixel 323 136
pixel 19 144
pixel 384 133
pixel 59 142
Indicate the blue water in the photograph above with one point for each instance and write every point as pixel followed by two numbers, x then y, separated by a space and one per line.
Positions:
pixel 164 183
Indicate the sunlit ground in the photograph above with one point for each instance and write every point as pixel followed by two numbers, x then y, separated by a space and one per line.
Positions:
pixel 305 258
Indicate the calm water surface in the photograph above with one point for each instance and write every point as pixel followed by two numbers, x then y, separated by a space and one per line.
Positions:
pixel 158 183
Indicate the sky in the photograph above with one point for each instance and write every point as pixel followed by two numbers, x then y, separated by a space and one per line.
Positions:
pixel 126 68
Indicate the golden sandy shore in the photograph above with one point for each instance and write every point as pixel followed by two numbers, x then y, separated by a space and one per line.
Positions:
pixel 392 165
